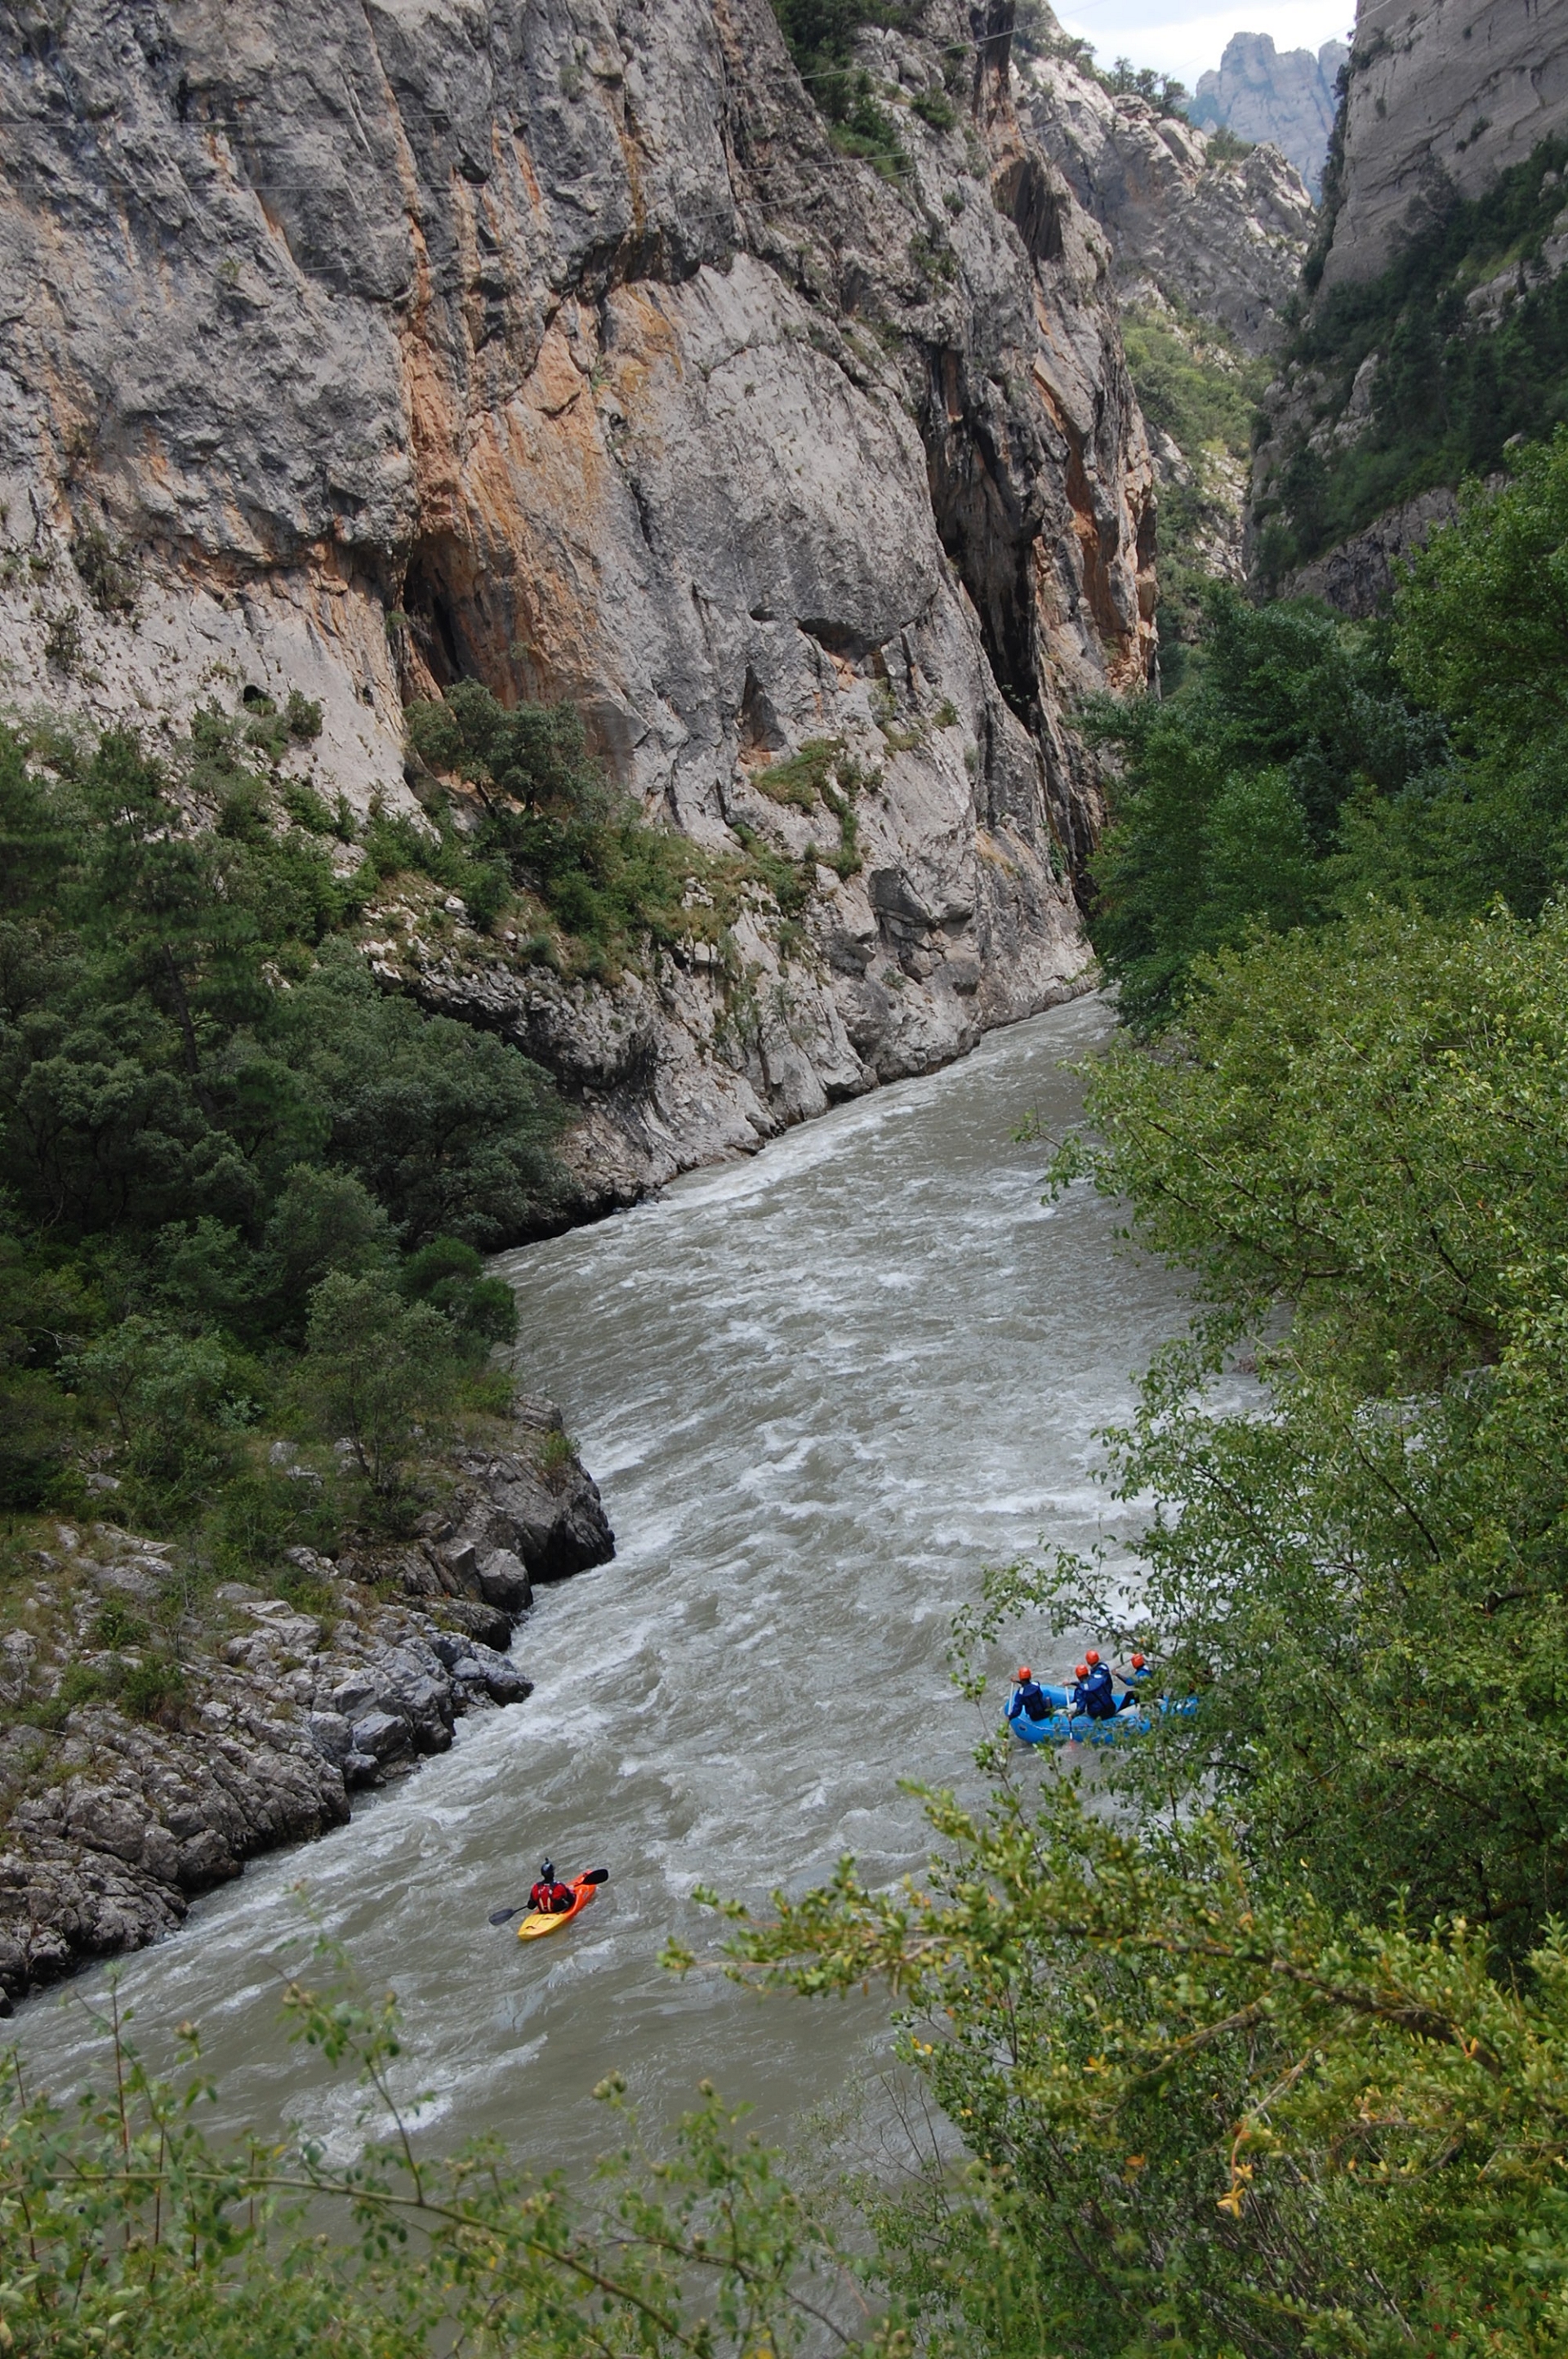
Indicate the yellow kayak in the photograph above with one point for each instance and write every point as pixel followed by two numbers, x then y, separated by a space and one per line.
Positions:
pixel 539 1921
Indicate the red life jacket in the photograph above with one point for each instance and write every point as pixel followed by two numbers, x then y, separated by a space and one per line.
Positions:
pixel 551 1898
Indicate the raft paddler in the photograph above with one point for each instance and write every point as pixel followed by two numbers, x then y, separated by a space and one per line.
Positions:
pixel 1029 1698
pixel 1095 1693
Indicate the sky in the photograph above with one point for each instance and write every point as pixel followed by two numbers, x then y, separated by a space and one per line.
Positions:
pixel 1174 36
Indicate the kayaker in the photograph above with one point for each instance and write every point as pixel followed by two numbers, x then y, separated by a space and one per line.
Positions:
pixel 1028 1698
pixel 549 1896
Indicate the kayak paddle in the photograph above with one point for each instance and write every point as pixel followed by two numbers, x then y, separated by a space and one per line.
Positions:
pixel 594 1876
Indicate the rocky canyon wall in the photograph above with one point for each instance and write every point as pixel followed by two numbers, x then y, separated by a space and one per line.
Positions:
pixel 1286 97
pixel 1207 249
pixel 1219 236
pixel 554 344
pixel 1440 100
pixel 1433 334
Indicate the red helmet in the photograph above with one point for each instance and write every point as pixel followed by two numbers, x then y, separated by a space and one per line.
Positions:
pixel 1092 1658
pixel 1082 1672
pixel 1138 1662
pixel 1024 1673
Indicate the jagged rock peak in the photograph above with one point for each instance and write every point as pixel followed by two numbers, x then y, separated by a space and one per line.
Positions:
pixel 557 345
pixel 1221 238
pixel 1288 97
pixel 1439 101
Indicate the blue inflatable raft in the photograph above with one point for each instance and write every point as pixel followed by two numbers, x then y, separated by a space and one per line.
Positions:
pixel 1062 1726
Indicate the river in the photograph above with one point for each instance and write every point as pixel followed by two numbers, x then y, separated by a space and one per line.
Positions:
pixel 820 1390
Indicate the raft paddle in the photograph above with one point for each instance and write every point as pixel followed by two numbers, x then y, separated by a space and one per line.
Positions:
pixel 594 1876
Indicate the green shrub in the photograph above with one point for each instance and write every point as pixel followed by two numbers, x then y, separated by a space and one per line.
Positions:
pixel 154 1690
pixel 306 810
pixel 555 1457
pixel 262 1510
pixel 1226 147
pixel 63 646
pixel 116 1626
pixel 303 717
pixel 79 1684
pixel 934 107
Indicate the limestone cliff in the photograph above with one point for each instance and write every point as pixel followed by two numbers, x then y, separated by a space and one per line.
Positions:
pixel 1439 294
pixel 1439 101
pixel 1220 237
pixel 1207 250
pixel 554 343
pixel 1288 97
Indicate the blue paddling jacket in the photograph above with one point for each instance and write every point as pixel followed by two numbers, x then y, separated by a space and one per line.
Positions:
pixel 1096 1694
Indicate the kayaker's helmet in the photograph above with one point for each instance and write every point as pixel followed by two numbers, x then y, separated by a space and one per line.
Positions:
pixel 1081 1671
pixel 546 1871
pixel 1024 1673
pixel 1092 1658
pixel 1138 1662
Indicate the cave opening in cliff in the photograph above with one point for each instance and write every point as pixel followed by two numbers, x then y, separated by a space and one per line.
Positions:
pixel 1026 195
pixel 432 619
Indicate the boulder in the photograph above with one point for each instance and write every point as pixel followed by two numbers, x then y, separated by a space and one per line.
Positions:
pixel 504 1581
pixel 353 1694
pixel 501 1681
pixel 332 1735
pixel 383 1736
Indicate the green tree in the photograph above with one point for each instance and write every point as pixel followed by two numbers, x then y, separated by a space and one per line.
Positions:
pixel 1230 793
pixel 451 1130
pixel 323 1221
pixel 158 1392
pixel 1362 1129
pixel 376 1367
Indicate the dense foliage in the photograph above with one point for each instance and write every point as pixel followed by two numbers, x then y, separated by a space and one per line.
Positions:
pixel 554 828
pixel 1193 385
pixel 1308 764
pixel 124 2227
pixel 212 1111
pixel 1448 391
pixel 1230 804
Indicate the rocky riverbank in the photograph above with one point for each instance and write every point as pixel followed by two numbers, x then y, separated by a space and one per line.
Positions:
pixel 134 1777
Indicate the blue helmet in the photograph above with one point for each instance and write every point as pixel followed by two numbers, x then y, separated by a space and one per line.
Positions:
pixel 546 1871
